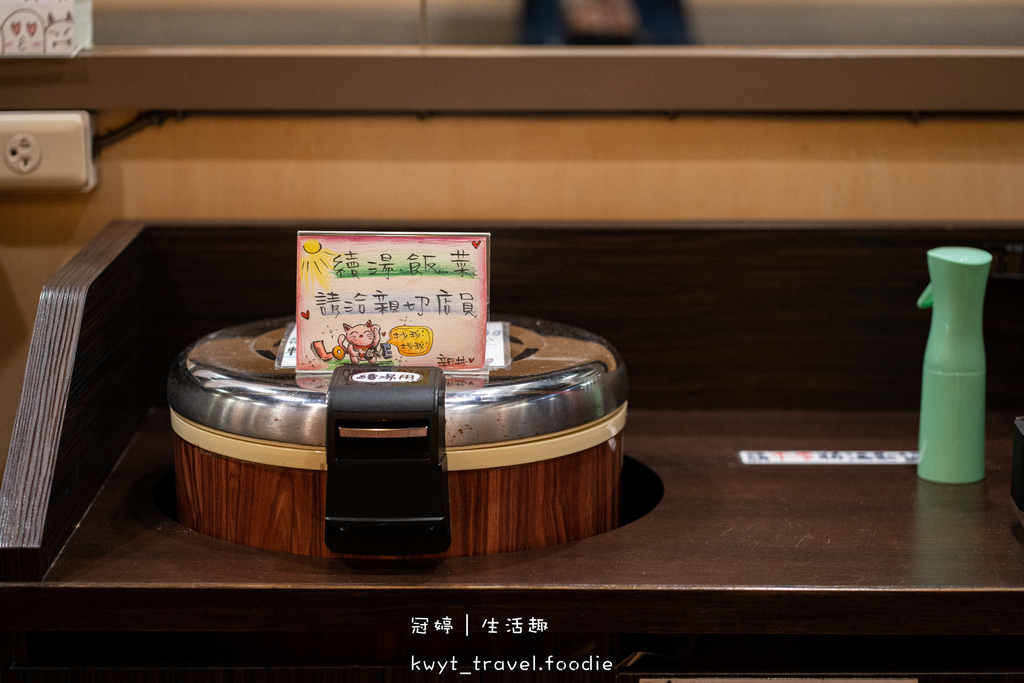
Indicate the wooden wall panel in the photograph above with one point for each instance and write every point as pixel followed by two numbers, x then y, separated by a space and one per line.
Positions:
pixel 706 316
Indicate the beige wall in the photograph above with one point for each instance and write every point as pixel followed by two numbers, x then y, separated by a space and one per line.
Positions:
pixel 630 168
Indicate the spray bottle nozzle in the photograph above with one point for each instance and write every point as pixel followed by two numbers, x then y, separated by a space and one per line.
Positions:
pixel 925 300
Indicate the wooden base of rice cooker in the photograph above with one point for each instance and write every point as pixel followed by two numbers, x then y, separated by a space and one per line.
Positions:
pixel 493 509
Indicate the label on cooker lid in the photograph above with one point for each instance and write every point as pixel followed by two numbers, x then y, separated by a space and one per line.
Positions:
pixel 381 377
pixel 497 354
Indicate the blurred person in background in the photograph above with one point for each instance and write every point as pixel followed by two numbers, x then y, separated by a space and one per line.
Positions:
pixel 604 22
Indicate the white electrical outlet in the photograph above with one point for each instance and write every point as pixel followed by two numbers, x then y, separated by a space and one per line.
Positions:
pixel 46 151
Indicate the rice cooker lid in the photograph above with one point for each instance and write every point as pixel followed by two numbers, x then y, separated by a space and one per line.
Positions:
pixel 560 378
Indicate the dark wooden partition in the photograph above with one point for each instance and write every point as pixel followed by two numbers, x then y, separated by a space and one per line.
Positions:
pixel 707 316
pixel 81 399
pixel 735 336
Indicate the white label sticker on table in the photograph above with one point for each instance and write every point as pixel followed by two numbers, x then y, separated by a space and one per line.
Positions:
pixel 829 457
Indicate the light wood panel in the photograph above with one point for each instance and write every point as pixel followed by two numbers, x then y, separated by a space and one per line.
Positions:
pixel 553 168
pixel 647 168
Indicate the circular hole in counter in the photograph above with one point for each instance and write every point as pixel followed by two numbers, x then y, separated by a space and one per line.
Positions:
pixel 642 490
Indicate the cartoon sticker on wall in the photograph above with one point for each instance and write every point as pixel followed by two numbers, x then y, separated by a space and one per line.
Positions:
pixel 44 28
pixel 24 33
pixel 390 299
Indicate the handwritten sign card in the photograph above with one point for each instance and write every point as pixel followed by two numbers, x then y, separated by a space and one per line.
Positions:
pixel 391 299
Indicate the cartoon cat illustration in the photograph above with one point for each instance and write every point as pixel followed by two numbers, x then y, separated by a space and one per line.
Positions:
pixel 359 343
pixel 22 34
pixel 60 34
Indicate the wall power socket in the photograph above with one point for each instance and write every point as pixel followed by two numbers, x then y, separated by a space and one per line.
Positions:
pixel 46 151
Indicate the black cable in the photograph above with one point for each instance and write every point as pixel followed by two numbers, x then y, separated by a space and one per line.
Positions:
pixel 141 122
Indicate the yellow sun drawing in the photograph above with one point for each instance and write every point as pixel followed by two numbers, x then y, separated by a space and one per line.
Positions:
pixel 316 265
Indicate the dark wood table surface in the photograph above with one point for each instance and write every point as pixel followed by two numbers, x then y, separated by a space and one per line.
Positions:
pixel 730 548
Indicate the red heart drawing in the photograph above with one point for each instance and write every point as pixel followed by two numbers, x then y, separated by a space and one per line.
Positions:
pixel 476 243
pixel 16 27
pixel 31 28
pixel 304 314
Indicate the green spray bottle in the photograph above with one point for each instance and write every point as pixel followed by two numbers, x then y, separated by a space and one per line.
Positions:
pixel 952 434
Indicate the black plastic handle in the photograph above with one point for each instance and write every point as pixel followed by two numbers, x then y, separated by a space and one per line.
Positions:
pixel 387 474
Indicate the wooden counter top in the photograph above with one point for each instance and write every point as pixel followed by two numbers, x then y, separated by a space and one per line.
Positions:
pixel 730 548
pixel 735 336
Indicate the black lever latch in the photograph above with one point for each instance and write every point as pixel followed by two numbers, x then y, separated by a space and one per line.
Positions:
pixel 387 475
